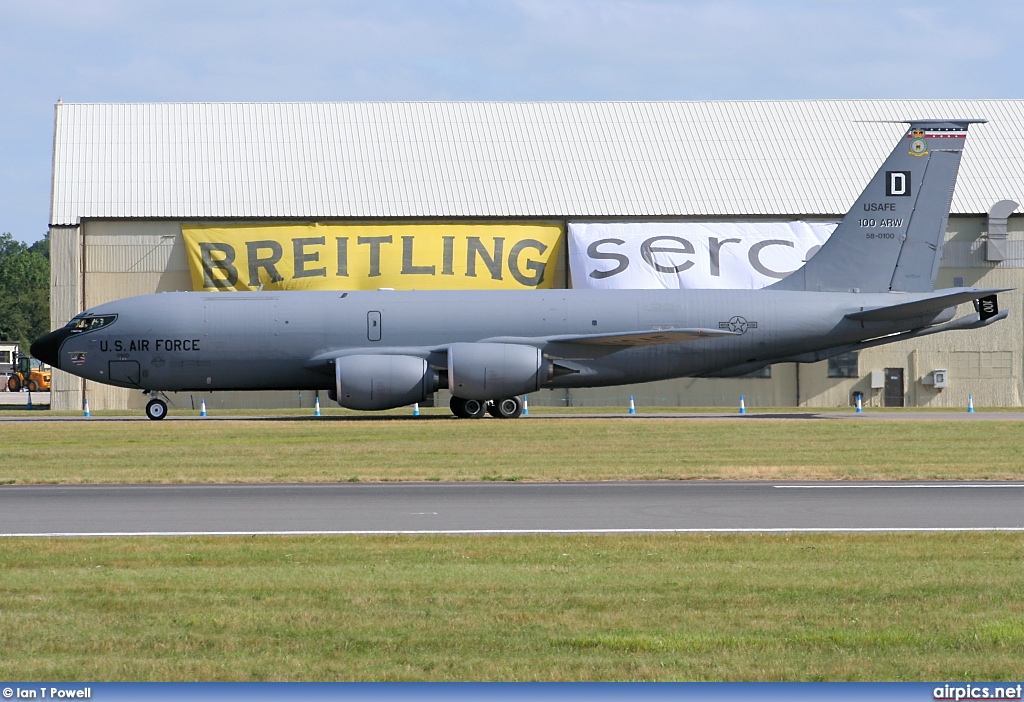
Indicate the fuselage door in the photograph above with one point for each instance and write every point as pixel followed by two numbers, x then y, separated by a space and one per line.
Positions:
pixel 124 373
pixel 373 325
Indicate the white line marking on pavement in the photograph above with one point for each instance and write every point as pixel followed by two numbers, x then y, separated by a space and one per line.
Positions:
pixel 899 486
pixel 485 532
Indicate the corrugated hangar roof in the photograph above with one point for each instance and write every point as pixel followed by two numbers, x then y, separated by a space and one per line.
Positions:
pixel 505 159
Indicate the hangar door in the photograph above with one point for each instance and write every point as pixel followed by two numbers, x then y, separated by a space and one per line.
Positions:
pixel 893 387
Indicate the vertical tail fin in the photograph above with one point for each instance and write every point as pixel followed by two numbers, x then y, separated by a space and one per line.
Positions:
pixel 892 237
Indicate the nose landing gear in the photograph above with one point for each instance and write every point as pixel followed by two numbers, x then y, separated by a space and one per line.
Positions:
pixel 157 407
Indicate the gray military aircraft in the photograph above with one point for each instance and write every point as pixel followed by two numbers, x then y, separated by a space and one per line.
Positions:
pixel 872 283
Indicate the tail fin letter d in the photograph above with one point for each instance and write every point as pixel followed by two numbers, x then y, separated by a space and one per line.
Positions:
pixel 897 183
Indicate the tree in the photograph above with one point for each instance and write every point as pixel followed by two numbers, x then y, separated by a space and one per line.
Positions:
pixel 24 289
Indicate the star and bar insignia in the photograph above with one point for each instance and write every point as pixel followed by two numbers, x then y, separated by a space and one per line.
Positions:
pixel 737 325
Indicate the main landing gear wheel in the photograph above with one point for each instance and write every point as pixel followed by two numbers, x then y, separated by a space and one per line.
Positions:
pixel 509 408
pixel 467 409
pixel 156 409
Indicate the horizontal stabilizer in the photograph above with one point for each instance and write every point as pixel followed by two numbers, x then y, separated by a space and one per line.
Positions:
pixel 939 301
pixel 974 321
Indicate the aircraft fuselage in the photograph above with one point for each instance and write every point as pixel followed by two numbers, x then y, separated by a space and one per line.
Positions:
pixel 250 341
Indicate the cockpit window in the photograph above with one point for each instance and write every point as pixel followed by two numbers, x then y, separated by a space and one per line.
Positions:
pixel 84 324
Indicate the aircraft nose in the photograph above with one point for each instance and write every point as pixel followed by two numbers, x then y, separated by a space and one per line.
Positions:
pixel 47 347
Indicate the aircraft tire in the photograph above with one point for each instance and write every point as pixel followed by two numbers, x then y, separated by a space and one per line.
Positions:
pixel 475 409
pixel 156 409
pixel 507 408
pixel 467 409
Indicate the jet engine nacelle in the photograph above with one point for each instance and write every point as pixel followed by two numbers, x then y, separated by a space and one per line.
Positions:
pixel 377 382
pixel 489 371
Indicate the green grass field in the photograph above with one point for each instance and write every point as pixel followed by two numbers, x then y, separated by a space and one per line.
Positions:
pixel 655 607
pixel 610 607
pixel 301 450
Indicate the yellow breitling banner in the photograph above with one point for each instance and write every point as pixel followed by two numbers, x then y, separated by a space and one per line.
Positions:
pixel 371 256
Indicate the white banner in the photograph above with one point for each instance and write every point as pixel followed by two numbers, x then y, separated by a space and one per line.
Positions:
pixel 691 254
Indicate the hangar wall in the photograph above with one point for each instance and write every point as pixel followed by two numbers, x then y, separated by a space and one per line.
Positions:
pixel 66 281
pixel 986 363
pixel 104 260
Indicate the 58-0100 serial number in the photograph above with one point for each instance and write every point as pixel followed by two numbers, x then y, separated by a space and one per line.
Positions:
pixel 880 235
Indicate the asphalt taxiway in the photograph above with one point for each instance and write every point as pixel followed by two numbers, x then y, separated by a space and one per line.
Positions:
pixel 414 508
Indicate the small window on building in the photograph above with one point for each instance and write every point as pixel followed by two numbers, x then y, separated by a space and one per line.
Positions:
pixel 765 372
pixel 843 366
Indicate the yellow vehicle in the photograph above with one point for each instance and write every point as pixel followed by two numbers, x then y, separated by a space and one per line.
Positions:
pixel 31 374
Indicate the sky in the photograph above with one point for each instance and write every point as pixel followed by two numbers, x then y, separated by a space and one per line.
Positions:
pixel 510 50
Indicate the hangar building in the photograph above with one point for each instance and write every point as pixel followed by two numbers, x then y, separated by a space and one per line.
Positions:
pixel 469 194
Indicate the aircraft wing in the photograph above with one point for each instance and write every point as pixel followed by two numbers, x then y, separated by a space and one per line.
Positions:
pixel 920 308
pixel 650 337
pixel 586 346
pixel 567 346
